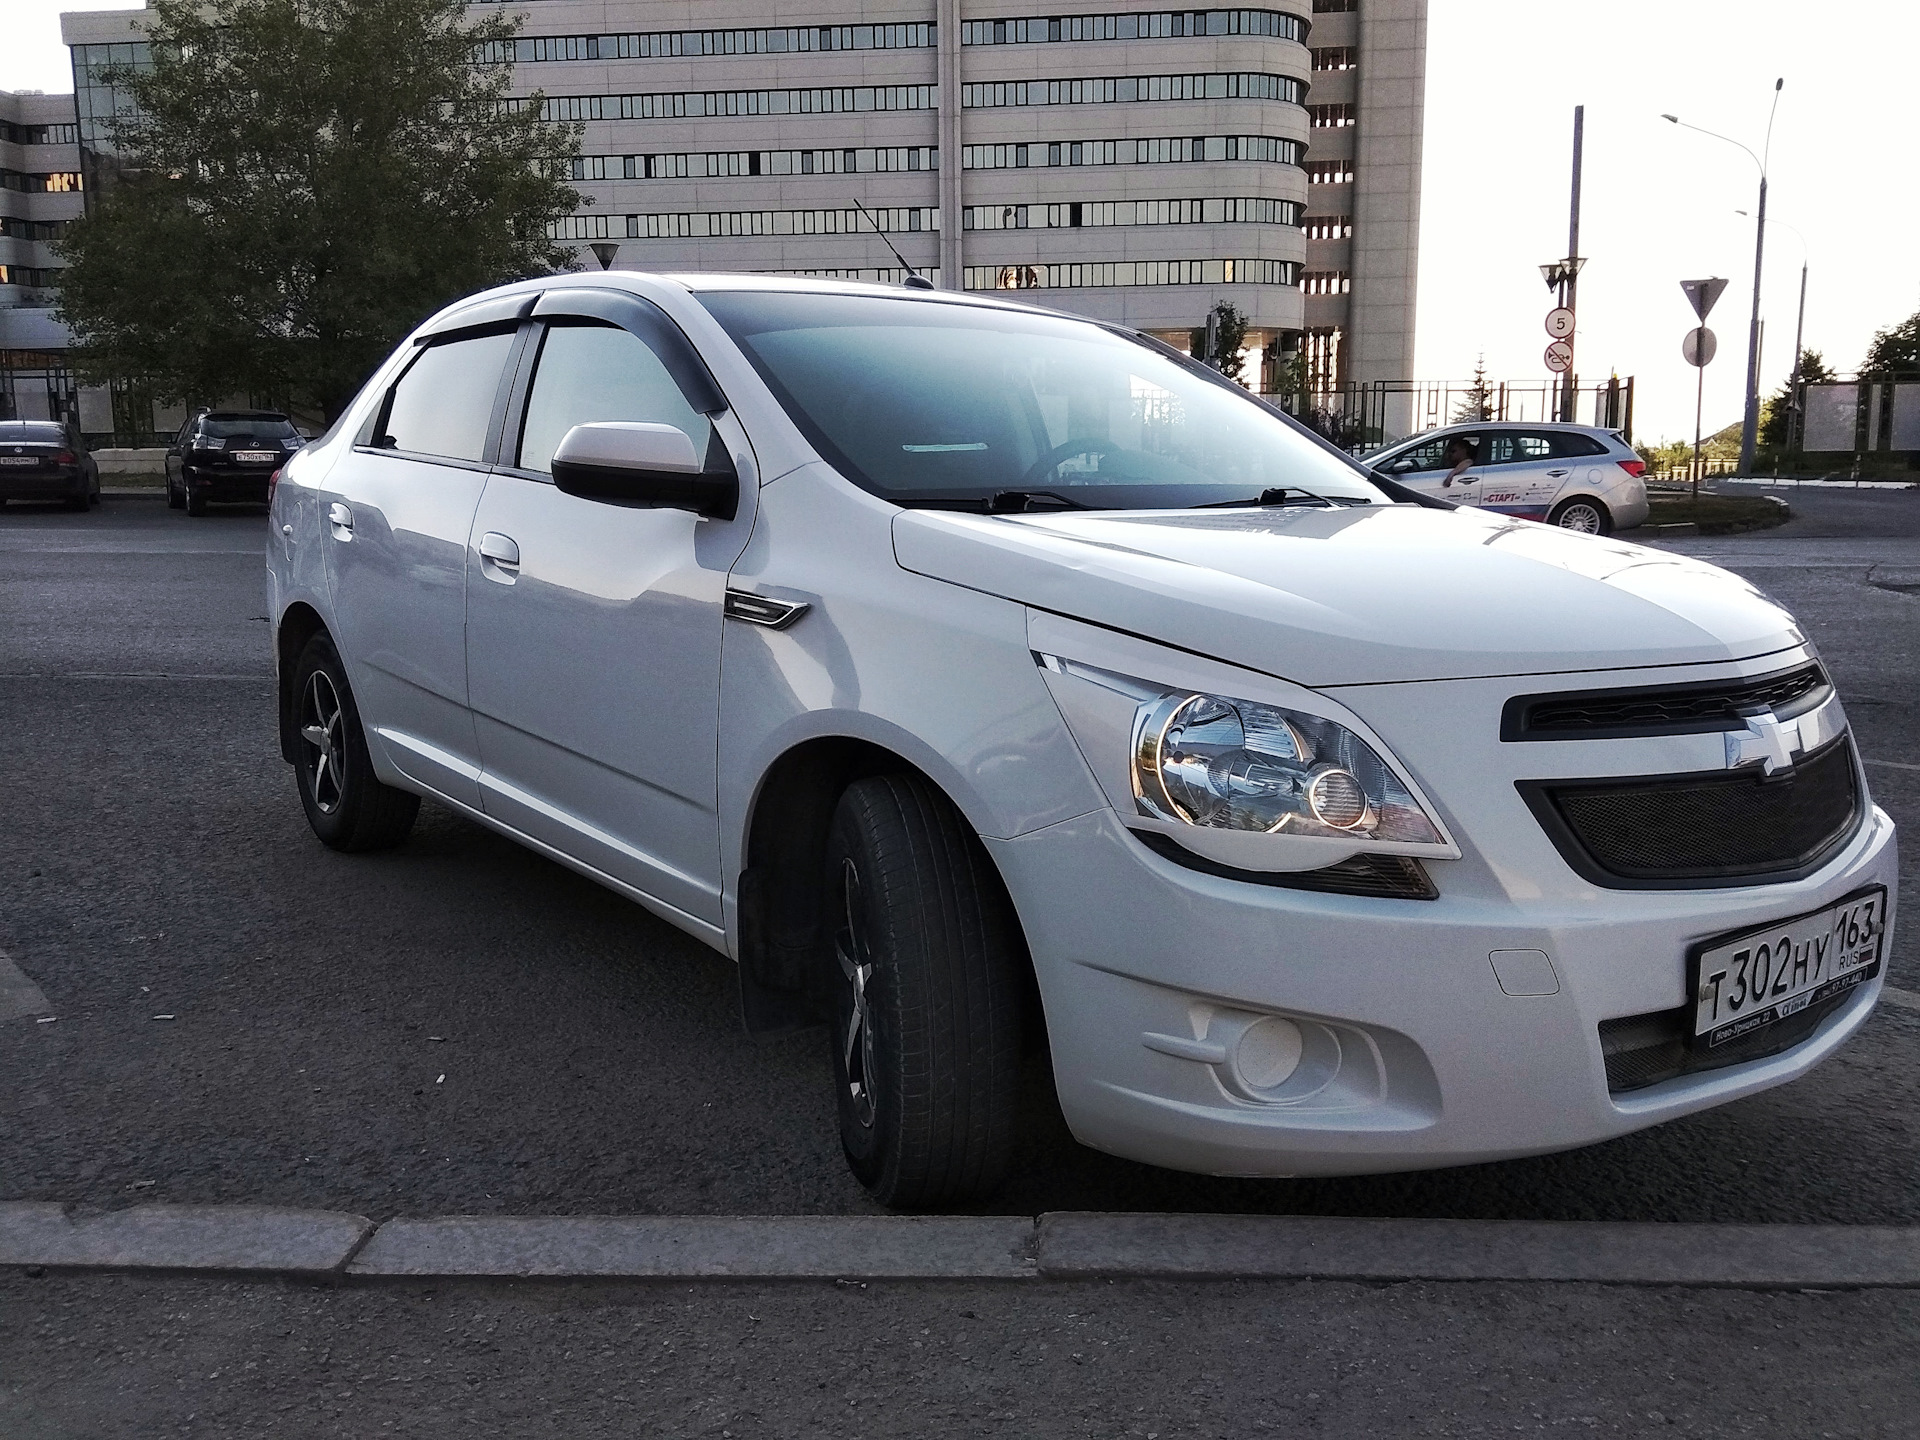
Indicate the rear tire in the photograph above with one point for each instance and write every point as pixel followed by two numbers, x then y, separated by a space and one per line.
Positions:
pixel 80 502
pixel 196 501
pixel 1584 516
pixel 175 500
pixel 347 805
pixel 926 990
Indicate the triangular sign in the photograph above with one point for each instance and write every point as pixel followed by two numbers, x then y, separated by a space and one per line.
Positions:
pixel 1702 293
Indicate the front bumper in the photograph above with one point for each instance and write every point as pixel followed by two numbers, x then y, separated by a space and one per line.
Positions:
pixel 1148 969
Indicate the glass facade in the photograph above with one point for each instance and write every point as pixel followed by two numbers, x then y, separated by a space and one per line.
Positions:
pixel 716 163
pixel 677 43
pixel 699 104
pixel 1079 214
pixel 1120 89
pixel 96 102
pixel 1175 149
pixel 1131 272
pixel 700 225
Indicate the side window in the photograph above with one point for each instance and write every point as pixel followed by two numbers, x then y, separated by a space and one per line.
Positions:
pixel 443 404
pixel 589 373
pixel 1569 446
pixel 1531 447
pixel 1424 457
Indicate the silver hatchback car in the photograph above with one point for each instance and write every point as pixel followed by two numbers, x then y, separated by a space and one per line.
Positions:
pixel 1575 476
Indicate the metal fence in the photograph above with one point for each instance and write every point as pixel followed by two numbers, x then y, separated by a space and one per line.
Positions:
pixel 1360 416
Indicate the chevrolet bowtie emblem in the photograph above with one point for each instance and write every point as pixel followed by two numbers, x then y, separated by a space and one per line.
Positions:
pixel 1766 741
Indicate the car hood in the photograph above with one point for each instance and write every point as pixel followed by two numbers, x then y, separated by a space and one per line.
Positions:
pixel 1358 595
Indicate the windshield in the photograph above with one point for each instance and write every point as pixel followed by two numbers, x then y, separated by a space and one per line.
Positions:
pixel 924 402
pixel 246 427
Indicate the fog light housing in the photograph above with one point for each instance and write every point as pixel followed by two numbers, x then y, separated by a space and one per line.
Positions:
pixel 1267 1053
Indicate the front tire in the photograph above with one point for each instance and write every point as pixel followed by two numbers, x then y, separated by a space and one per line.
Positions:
pixel 347 805
pixel 1584 516
pixel 927 993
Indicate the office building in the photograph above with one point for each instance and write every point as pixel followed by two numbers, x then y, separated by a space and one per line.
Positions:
pixel 39 193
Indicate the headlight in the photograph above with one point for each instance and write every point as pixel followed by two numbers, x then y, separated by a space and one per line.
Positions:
pixel 1227 764
pixel 1288 782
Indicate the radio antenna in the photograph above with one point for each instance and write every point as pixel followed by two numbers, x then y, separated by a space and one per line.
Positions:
pixel 915 280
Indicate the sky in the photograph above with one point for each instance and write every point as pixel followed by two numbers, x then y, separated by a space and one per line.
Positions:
pixel 1659 202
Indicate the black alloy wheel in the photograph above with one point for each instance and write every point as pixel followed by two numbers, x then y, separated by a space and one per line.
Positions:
pixel 175 499
pixel 926 993
pixel 347 805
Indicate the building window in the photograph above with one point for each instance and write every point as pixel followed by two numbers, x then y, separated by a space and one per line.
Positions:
pixel 1340 57
pixel 728 163
pixel 1330 172
pixel 1091 214
pixel 15 228
pixel 1334 7
pixel 1123 88
pixel 1131 272
pixel 33 277
pixel 701 104
pixel 1325 282
pixel 1166 24
pixel 97 104
pixel 38 134
pixel 1328 227
pixel 1330 117
pixel 58 182
pixel 1177 149
pixel 650 45
pixel 728 224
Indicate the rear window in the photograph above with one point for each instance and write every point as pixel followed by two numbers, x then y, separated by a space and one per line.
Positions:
pixel 1568 446
pixel 246 427
pixel 32 432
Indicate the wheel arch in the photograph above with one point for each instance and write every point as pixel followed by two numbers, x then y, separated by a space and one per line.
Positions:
pixel 782 937
pixel 299 623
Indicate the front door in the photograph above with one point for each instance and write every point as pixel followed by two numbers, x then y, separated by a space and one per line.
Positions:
pixel 1429 466
pixel 593 633
pixel 398 510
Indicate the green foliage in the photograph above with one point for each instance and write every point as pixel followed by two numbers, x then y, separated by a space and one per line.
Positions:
pixel 303 182
pixel 1230 337
pixel 1777 407
pixel 1476 403
pixel 1894 353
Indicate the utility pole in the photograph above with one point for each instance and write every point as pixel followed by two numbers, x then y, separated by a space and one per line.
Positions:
pixel 1795 405
pixel 1570 388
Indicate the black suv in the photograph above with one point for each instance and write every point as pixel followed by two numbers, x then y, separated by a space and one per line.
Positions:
pixel 227 455
pixel 47 460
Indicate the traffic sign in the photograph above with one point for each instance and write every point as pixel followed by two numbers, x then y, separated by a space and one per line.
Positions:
pixel 1702 293
pixel 1560 322
pixel 1559 357
pixel 1699 345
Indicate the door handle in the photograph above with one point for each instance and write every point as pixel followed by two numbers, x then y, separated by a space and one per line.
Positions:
pixel 499 548
pixel 341 519
pixel 1556 474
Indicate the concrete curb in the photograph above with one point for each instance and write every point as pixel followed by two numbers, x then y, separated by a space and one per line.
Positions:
pixel 1190 1247
pixel 854 1247
pixel 1060 1246
pixel 182 1237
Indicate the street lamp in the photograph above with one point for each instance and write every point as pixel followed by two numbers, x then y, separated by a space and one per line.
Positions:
pixel 1799 331
pixel 1750 424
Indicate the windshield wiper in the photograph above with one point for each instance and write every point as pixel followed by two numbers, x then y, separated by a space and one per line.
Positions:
pixel 1000 502
pixel 1281 495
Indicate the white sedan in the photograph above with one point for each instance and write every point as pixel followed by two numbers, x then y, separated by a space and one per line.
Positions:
pixel 982 679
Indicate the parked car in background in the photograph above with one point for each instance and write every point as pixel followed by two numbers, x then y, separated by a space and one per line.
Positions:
pixel 47 460
pixel 1073 699
pixel 1574 476
pixel 228 455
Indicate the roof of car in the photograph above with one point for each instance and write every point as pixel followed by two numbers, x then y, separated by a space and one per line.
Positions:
pixel 244 415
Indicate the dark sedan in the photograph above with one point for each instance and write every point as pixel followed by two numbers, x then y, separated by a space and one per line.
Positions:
pixel 45 460
pixel 227 455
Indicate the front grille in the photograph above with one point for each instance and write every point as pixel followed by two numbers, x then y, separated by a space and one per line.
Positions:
pixel 1660 709
pixel 1720 827
pixel 1386 877
pixel 1643 1050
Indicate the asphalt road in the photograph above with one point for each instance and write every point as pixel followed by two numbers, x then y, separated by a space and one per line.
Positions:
pixel 460 1026
pixel 108 1357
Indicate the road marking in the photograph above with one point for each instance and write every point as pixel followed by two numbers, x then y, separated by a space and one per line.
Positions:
pixel 1890 764
pixel 1905 999
pixel 18 995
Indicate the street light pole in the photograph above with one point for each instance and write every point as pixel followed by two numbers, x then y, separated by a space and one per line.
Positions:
pixel 1750 421
pixel 1799 333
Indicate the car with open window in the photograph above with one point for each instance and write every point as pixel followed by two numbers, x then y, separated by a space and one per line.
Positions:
pixel 1578 477
pixel 228 455
pixel 981 678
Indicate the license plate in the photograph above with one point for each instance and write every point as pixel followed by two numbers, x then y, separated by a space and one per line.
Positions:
pixel 255 457
pixel 19 459
pixel 1746 982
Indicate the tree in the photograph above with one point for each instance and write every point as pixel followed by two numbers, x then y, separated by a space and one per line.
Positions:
pixel 1229 338
pixel 301 182
pixel 1894 353
pixel 1776 410
pixel 1476 403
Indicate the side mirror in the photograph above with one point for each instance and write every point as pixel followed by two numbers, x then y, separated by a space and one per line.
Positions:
pixel 648 466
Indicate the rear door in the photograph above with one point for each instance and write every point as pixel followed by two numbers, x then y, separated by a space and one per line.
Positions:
pixel 594 629
pixel 1523 475
pixel 398 509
